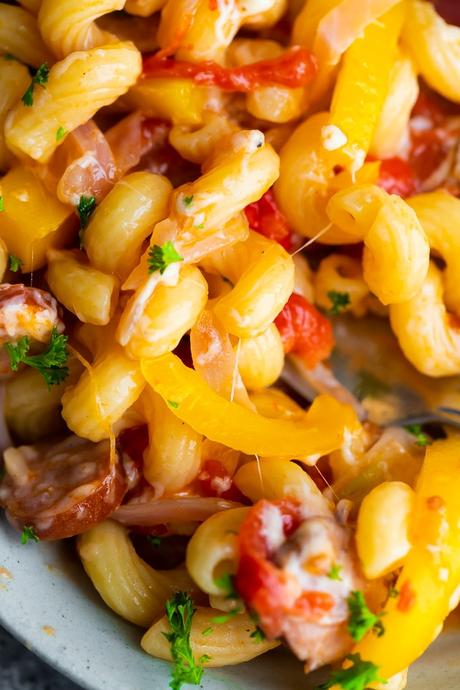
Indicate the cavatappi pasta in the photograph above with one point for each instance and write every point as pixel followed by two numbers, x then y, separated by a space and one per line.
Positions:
pixel 197 199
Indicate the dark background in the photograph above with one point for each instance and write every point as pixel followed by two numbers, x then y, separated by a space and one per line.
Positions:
pixel 22 670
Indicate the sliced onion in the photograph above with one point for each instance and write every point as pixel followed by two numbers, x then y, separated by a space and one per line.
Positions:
pixel 309 382
pixel 181 509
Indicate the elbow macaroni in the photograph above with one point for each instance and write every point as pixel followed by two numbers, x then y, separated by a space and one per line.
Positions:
pixel 76 88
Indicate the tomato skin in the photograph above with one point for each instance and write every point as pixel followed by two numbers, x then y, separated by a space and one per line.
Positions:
pixel 214 480
pixel 261 584
pixel 397 177
pixel 265 218
pixel 305 331
pixel 294 68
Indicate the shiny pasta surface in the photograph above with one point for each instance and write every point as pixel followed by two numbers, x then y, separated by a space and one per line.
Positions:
pixel 197 199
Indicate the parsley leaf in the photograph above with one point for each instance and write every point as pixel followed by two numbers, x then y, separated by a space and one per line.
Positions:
pixel 51 364
pixel 226 616
pixel 85 208
pixel 361 618
pixel 421 438
pixel 162 257
pixel 154 541
pixel 188 200
pixel 207 632
pixel 28 534
pixel 393 593
pixel 40 78
pixel 356 677
pixel 180 611
pixel 173 404
pixel 339 300
pixel 2 204
pixel 60 133
pixel 258 635
pixel 227 583
pixel 14 263
pixel 334 572
pixel 9 57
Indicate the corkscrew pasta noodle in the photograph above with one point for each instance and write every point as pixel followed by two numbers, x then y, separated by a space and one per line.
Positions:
pixel 229 260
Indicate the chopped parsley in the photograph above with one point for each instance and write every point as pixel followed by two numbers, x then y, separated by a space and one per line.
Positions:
pixel 40 78
pixel 361 618
pixel 188 201
pixel 173 404
pixel 358 676
pixel 369 386
pixel 421 438
pixel 162 257
pixel 28 534
pixel 85 208
pixel 393 593
pixel 154 541
pixel 14 263
pixel 51 364
pixel 257 635
pixel 180 612
pixel 334 572
pixel 60 133
pixel 339 300
pixel 219 620
pixel 227 583
pixel 9 57
pixel 207 632
pixel 2 204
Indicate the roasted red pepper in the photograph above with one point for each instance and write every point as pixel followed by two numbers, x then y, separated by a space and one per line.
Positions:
pixel 397 177
pixel 261 584
pixel 305 331
pixel 295 67
pixel 265 217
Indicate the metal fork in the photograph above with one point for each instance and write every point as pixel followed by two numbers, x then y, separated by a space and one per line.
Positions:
pixel 368 362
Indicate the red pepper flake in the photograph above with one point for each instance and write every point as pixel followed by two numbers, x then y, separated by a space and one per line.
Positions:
pixel 435 503
pixel 265 218
pixel 407 597
pixel 294 68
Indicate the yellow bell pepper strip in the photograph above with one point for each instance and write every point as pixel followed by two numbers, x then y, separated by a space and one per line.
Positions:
pixel 361 88
pixel 428 586
pixel 329 27
pixel 325 426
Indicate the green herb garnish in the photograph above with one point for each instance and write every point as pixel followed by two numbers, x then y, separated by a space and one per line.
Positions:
pixel 14 263
pixel 339 301
pixel 219 620
pixel 60 133
pixel 257 635
pixel 51 364
pixel 180 612
pixel 356 677
pixel 334 572
pixel 361 618
pixel 421 438
pixel 162 257
pixel 40 78
pixel 28 534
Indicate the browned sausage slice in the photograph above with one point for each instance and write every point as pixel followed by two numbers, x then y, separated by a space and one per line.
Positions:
pixel 27 311
pixel 62 488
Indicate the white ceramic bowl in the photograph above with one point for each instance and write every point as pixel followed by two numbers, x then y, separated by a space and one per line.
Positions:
pixel 48 603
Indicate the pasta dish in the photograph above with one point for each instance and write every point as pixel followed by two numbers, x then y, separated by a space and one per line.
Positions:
pixel 195 196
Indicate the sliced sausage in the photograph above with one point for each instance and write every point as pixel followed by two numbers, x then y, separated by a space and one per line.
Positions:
pixel 61 488
pixel 27 311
